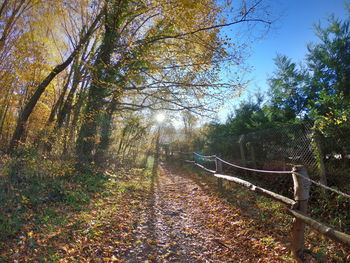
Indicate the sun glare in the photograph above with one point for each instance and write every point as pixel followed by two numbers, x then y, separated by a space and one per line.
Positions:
pixel 160 117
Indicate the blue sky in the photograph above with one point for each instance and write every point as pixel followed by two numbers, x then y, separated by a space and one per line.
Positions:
pixel 289 36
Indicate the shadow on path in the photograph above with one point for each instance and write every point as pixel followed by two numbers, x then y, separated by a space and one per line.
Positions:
pixel 184 222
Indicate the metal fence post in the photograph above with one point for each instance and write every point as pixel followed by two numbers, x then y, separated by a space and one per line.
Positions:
pixel 250 147
pixel 319 157
pixel 301 196
pixel 218 170
pixel 241 148
pixel 253 156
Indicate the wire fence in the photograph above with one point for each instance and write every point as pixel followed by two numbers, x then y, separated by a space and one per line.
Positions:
pixel 279 149
pixel 270 149
pixel 298 209
pixel 214 158
pixel 327 158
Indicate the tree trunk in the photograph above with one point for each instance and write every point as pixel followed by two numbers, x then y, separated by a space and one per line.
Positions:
pixel 77 109
pixel 86 143
pixel 65 137
pixel 28 108
pixel 106 131
pixel 67 106
pixel 59 102
pixel 4 111
pixel 78 71
pixel 88 131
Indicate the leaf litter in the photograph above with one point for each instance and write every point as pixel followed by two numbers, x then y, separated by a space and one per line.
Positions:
pixel 165 218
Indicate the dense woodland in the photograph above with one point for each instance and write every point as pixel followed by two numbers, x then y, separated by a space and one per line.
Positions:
pixel 81 82
pixel 71 68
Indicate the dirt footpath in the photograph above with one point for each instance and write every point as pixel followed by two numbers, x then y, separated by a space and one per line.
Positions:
pixel 184 221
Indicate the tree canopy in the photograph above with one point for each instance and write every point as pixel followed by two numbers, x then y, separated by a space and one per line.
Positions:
pixel 71 69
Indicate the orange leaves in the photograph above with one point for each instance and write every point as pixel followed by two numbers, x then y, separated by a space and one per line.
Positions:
pixel 225 233
pixel 178 220
pixel 111 259
pixel 100 232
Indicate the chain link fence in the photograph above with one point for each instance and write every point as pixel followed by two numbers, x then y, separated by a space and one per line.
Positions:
pixel 326 157
pixel 271 149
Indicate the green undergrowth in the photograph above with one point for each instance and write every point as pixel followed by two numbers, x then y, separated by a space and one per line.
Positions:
pixel 31 185
pixel 272 216
pixel 37 192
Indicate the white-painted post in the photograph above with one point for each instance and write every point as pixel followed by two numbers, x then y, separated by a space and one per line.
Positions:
pixel 301 197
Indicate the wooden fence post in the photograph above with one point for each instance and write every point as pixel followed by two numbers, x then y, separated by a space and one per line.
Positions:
pixel 301 196
pixel 218 170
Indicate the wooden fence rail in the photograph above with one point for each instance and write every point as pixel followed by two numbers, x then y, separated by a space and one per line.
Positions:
pixel 298 206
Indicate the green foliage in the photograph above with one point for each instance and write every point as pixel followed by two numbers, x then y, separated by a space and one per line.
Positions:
pixel 288 90
pixel 331 208
pixel 32 182
pixel 319 91
pixel 249 117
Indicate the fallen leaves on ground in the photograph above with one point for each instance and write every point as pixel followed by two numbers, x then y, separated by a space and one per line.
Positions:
pixel 100 232
pixel 173 217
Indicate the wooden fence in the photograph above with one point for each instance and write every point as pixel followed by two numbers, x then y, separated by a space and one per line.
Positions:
pixel 297 207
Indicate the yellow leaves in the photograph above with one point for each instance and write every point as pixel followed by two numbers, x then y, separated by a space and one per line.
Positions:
pixel 167 254
pixel 188 3
pixel 187 15
pixel 68 250
pixel 268 240
pixel 334 117
pixel 25 200
pixel 111 259
pixel 30 234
